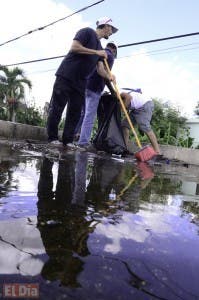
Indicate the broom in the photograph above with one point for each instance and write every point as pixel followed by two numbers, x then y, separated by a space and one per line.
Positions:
pixel 145 153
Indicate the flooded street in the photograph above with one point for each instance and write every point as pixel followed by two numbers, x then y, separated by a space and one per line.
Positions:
pixel 90 227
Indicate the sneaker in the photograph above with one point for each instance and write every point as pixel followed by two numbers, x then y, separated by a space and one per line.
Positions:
pixel 87 147
pixel 80 147
pixel 71 146
pixel 56 143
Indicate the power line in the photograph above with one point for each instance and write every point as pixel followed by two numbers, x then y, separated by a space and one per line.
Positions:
pixel 153 52
pixel 33 61
pixel 163 51
pixel 159 40
pixel 50 24
pixel 120 46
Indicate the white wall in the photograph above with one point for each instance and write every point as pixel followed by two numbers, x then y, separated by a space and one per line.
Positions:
pixel 194 131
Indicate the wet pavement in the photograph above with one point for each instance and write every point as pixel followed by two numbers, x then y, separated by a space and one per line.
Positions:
pixel 87 226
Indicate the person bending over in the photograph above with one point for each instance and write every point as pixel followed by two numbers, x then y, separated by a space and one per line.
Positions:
pixel 141 110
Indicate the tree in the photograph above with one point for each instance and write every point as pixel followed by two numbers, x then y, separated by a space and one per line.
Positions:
pixel 170 126
pixel 196 111
pixel 12 89
pixel 31 115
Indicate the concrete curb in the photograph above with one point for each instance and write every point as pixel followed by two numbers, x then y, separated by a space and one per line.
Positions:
pixel 19 131
pixel 188 155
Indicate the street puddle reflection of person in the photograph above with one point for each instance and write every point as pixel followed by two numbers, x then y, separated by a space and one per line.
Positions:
pixel 62 222
pixel 68 215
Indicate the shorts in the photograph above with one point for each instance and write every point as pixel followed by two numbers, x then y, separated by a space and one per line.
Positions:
pixel 141 116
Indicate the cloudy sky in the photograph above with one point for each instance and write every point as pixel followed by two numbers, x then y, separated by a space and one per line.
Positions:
pixel 167 70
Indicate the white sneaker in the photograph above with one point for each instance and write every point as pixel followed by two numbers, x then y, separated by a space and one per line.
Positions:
pixel 71 146
pixel 80 148
pixel 55 143
pixel 87 147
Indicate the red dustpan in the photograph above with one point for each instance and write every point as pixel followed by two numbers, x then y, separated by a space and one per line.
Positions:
pixel 145 153
pixel 145 170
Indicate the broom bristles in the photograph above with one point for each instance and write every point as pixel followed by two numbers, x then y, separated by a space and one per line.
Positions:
pixel 145 170
pixel 146 153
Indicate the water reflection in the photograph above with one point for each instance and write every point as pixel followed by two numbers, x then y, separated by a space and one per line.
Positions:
pixel 124 241
pixel 69 214
pixel 104 230
pixel 62 222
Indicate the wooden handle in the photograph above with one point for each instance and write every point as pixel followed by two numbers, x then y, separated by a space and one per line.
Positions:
pixel 123 106
pixel 127 186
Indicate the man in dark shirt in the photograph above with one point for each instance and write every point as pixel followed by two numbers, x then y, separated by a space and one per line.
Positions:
pixel 84 55
pixel 94 88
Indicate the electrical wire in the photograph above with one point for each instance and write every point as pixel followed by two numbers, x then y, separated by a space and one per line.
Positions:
pixel 50 24
pixel 33 61
pixel 153 52
pixel 159 40
pixel 162 51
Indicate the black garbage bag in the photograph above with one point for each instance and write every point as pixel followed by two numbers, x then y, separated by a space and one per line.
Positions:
pixel 109 136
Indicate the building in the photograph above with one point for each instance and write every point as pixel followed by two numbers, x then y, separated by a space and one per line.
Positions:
pixel 193 124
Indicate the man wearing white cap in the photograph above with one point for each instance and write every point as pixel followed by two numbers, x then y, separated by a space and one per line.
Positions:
pixel 86 53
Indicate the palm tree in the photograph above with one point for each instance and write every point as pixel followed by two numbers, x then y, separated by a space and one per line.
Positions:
pixel 12 88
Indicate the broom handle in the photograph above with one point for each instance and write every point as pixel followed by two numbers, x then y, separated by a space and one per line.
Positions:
pixel 127 186
pixel 123 107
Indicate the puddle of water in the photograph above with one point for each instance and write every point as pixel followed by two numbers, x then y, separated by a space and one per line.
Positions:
pixel 91 228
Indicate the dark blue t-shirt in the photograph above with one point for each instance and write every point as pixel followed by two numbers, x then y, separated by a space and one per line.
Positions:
pixel 95 82
pixel 75 67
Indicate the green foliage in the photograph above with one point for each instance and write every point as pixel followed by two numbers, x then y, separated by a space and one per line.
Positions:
pixel 162 187
pixel 31 116
pixel 166 122
pixel 95 128
pixel 196 111
pixel 3 113
pixel 61 125
pixel 12 103
pixel 25 114
pixel 12 89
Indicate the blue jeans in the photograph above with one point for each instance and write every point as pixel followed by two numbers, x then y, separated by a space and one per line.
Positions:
pixel 91 104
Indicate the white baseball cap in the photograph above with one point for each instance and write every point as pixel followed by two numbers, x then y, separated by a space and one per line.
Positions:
pixel 108 21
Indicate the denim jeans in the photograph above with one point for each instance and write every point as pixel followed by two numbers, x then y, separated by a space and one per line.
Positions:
pixel 91 104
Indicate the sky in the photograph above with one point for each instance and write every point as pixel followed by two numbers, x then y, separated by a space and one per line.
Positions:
pixel 167 70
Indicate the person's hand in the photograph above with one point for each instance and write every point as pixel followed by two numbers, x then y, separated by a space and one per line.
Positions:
pixel 113 78
pixel 102 53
